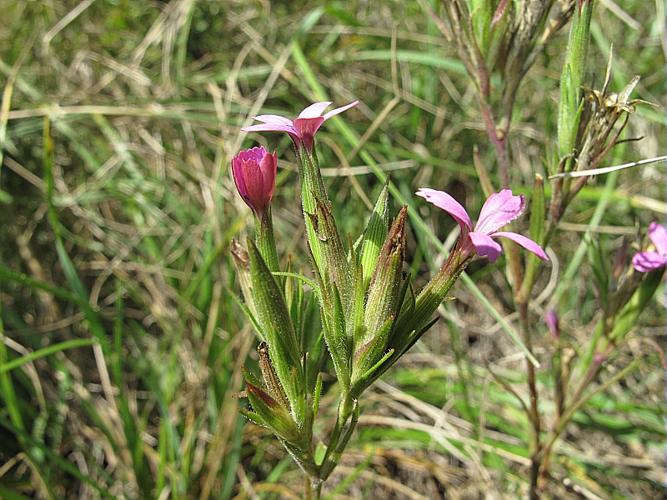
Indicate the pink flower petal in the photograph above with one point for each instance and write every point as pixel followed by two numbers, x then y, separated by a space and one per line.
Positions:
pixel 275 119
pixel 526 243
pixel 498 210
pixel 270 127
pixel 658 235
pixel 239 180
pixel 648 261
pixel 485 246
pixel 315 110
pixel 445 201
pixel 337 111
pixel 269 168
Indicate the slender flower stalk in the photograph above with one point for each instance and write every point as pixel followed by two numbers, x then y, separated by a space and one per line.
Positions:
pixel 647 261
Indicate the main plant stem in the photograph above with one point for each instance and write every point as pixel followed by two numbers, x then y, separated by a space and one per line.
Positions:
pixel 534 413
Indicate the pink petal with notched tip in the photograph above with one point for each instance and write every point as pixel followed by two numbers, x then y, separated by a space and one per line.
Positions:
pixel 447 203
pixel 337 111
pixel 658 235
pixel 314 110
pixel 645 262
pixel 499 210
pixel 485 246
pixel 526 243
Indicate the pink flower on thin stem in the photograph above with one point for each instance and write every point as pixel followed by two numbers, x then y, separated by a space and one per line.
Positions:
pixel 303 128
pixel 648 261
pixel 498 210
pixel 255 177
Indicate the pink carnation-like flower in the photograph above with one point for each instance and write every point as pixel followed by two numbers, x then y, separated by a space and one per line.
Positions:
pixel 255 177
pixel 648 261
pixel 498 210
pixel 303 128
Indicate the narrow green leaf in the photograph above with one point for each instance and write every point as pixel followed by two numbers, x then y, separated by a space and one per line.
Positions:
pixel 278 329
pixel 44 352
pixel 375 233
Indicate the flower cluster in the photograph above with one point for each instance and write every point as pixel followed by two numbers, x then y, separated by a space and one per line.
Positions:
pixel 367 318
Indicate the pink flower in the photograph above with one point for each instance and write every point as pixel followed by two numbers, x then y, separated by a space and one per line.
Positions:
pixel 255 177
pixel 303 128
pixel 648 261
pixel 551 319
pixel 499 210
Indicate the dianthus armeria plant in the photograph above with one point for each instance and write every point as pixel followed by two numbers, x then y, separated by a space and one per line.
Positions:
pixel 354 307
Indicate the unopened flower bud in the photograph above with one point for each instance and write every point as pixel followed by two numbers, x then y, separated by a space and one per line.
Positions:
pixel 255 177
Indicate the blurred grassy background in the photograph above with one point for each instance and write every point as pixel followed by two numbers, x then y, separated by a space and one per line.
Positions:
pixel 123 344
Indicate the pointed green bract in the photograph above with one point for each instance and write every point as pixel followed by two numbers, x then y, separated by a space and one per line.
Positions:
pixel 271 413
pixel 432 295
pixel 279 332
pixel 386 284
pixel 338 341
pixel 627 318
pixel 334 259
pixel 375 234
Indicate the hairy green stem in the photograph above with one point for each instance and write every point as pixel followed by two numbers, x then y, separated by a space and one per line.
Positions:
pixel 265 240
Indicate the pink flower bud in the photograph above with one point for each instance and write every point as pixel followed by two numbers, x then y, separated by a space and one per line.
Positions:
pixel 551 319
pixel 255 177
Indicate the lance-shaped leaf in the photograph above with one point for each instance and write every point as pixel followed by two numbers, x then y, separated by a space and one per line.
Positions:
pixel 275 320
pixel 270 377
pixel 337 340
pixel 367 355
pixel 626 320
pixel 572 76
pixel 242 264
pixel 481 12
pixel 386 284
pixel 375 234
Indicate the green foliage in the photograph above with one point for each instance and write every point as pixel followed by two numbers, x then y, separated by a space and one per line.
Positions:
pixel 123 340
pixel 572 77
